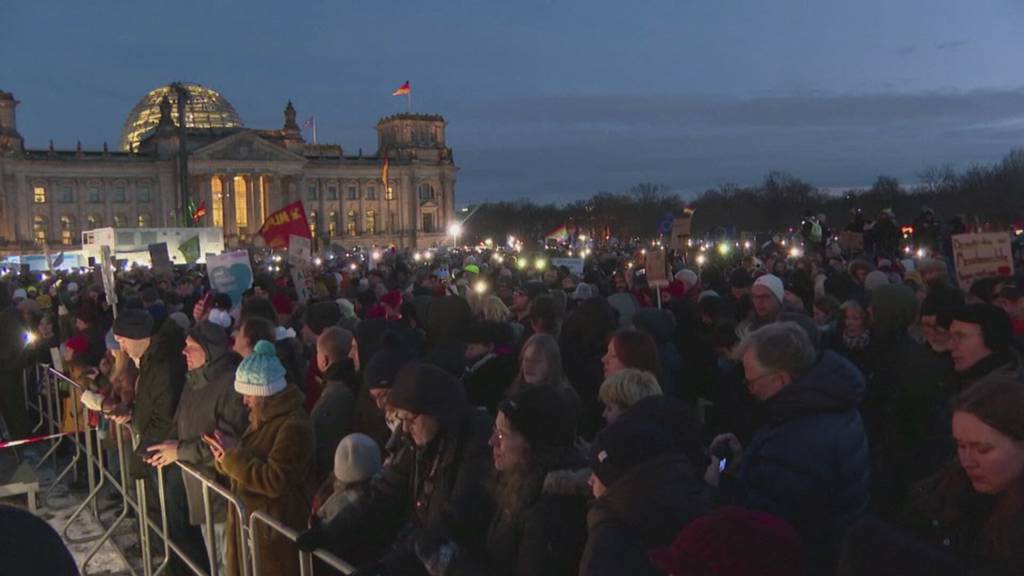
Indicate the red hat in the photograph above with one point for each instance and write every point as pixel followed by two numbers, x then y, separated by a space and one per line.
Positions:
pixel 282 303
pixel 78 344
pixel 392 299
pixel 733 542
pixel 677 288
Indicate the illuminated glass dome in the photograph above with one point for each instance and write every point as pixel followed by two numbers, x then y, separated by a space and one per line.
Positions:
pixel 205 108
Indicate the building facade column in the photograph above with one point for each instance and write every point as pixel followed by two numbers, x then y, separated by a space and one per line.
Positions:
pixel 228 202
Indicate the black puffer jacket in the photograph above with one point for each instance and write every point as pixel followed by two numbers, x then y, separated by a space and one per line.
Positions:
pixel 161 377
pixel 643 510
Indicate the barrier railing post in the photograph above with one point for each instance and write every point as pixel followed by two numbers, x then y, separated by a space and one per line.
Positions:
pixel 126 503
pixel 211 536
pixel 305 559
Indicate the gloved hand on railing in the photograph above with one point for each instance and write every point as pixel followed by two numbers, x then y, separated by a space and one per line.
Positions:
pixel 93 400
pixel 313 538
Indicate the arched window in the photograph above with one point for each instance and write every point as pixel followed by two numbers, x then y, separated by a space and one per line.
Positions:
pixel 39 228
pixel 332 224
pixel 241 205
pixel 313 219
pixel 371 222
pixel 425 191
pixel 145 220
pixel 351 226
pixel 67 230
pixel 119 220
pixel 94 221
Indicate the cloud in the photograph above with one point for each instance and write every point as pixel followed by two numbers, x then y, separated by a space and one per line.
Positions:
pixel 951 45
pixel 564 147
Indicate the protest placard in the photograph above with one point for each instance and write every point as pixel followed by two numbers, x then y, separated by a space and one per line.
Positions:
pixel 981 255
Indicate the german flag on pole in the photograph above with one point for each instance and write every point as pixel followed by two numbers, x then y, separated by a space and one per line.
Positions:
pixel 384 173
pixel 402 90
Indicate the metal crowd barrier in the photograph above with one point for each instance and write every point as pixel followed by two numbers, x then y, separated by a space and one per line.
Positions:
pixel 305 558
pixel 51 415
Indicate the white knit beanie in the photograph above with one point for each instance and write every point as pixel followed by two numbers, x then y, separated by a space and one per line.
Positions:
pixel 356 459
pixel 773 284
pixel 261 374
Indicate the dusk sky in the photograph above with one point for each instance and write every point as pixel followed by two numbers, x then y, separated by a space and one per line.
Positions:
pixel 553 100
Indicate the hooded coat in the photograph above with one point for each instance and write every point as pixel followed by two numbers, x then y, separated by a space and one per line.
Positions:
pixel 208 402
pixel 272 470
pixel 333 413
pixel 904 394
pixel 809 463
pixel 583 341
pixel 661 325
pixel 161 377
pixel 437 488
pixel 643 510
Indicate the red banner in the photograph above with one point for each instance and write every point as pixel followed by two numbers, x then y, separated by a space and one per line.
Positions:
pixel 285 222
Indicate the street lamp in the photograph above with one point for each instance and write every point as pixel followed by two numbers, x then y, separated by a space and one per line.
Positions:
pixel 455 230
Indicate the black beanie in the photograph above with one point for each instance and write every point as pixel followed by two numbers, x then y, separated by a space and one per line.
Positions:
pixel 996 328
pixel 382 368
pixel 626 443
pixel 133 324
pixel 427 389
pixel 323 315
pixel 543 416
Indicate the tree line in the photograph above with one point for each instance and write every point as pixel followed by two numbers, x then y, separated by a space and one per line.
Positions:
pixel 991 193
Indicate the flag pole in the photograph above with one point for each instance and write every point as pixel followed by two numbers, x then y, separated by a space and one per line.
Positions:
pixel 314 129
pixel 408 102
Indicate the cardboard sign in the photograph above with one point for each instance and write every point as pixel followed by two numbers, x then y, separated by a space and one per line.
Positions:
pixel 851 241
pixel 299 249
pixel 657 274
pixel 981 255
pixel 230 273
pixel 575 265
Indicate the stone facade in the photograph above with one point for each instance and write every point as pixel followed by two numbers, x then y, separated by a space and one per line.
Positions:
pixel 241 175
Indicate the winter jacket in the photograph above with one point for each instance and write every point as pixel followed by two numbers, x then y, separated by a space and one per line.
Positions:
pixel 952 517
pixel 271 470
pixel 440 488
pixel 208 402
pixel 487 379
pixel 161 377
pixel 332 415
pixel 661 325
pixel 544 538
pixel 809 463
pixel 643 510
pixel 583 341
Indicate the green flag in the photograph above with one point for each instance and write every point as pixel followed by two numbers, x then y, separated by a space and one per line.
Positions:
pixel 190 249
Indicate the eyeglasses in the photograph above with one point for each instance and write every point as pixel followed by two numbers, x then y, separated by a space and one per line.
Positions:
pixel 406 417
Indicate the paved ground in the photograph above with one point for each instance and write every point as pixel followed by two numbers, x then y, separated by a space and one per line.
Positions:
pixel 62 500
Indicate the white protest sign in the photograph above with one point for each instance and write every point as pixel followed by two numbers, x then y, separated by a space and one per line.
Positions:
pixel 299 248
pixel 230 273
pixel 981 255
pixel 575 265
pixel 302 276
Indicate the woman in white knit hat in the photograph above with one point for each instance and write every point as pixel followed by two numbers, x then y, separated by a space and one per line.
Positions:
pixel 271 466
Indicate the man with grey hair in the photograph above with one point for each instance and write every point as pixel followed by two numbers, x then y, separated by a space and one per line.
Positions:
pixel 809 463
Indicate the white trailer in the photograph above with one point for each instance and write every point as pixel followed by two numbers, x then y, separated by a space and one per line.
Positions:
pixel 132 244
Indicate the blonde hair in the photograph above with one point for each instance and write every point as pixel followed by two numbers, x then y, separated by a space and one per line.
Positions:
pixel 492 308
pixel 627 387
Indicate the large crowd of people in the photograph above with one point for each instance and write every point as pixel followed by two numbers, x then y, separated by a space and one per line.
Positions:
pixel 765 412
